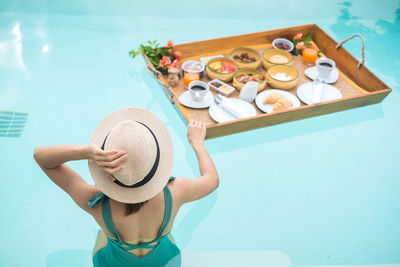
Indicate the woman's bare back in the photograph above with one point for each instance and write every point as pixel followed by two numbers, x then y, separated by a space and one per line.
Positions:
pixel 140 227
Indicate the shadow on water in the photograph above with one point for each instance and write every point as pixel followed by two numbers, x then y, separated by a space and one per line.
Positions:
pixel 296 128
pixel 67 258
pixel 199 211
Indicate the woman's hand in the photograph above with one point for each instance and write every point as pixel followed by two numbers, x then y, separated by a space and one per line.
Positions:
pixel 196 132
pixel 110 161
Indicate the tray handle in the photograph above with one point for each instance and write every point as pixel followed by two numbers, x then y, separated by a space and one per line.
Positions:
pixel 360 62
pixel 156 74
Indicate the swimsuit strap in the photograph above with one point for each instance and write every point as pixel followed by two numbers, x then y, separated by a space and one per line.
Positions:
pixel 107 217
pixel 106 212
pixel 167 210
pixel 96 200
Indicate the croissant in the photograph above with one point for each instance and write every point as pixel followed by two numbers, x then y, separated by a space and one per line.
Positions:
pixel 281 105
pixel 273 98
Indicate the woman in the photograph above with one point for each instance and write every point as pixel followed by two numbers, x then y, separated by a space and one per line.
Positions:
pixel 134 200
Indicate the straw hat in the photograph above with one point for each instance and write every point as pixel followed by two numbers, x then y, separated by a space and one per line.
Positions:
pixel 146 141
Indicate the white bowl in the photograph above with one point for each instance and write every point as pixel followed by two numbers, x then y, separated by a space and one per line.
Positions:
pixel 201 71
pixel 285 41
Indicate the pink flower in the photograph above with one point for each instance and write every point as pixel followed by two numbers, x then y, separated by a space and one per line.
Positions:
pixel 174 64
pixel 164 61
pixel 178 55
pixel 170 43
pixel 298 36
pixel 300 46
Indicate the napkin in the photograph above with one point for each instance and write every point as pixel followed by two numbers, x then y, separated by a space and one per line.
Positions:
pixel 317 92
pixel 230 107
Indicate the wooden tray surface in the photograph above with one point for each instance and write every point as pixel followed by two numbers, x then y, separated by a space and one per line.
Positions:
pixel 359 86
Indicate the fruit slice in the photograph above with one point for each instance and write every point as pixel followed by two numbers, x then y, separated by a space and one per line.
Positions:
pixel 216 66
pixel 226 66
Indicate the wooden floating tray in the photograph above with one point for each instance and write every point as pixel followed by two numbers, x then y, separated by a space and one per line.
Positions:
pixel 359 86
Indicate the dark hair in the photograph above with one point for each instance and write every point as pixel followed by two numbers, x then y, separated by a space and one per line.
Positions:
pixel 133 208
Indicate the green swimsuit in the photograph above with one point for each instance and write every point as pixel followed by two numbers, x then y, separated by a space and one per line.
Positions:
pixel 115 253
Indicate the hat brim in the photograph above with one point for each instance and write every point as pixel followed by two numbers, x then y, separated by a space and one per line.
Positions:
pixel 161 176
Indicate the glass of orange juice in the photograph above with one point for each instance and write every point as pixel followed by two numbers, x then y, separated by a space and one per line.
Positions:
pixel 309 55
pixel 190 77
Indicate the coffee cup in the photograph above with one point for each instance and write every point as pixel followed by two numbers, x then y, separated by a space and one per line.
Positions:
pixel 325 67
pixel 198 90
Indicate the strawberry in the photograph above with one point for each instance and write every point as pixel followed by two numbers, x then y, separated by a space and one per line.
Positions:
pixel 254 79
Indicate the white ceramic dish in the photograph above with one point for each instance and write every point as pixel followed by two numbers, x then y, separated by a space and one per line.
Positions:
pixel 187 100
pixel 328 93
pixel 268 108
pixel 220 115
pixel 285 41
pixel 222 84
pixel 312 73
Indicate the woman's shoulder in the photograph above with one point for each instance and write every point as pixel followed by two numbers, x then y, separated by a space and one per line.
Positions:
pixel 180 188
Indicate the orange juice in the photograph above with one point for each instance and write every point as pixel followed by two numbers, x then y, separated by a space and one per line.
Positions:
pixel 190 77
pixel 309 55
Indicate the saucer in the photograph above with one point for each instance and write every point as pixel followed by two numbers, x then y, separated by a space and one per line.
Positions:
pixel 312 73
pixel 305 92
pixel 220 115
pixel 187 100
pixel 268 108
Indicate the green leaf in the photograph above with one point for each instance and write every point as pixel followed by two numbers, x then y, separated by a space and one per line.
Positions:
pixel 308 38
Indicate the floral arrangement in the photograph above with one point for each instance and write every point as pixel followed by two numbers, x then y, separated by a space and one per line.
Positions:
pixel 301 42
pixel 163 58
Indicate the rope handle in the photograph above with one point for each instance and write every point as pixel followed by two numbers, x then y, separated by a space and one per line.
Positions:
pixel 360 62
pixel 156 74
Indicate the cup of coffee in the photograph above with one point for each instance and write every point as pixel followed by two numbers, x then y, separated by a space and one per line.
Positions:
pixel 325 67
pixel 198 90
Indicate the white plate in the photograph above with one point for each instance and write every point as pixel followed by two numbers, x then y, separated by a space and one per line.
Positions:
pixel 305 92
pixel 268 108
pixel 187 100
pixel 312 73
pixel 220 115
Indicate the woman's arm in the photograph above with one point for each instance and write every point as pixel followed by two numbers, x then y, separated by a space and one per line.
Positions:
pixel 193 189
pixel 52 160
pixel 51 157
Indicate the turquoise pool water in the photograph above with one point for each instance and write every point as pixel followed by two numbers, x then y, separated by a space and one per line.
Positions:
pixel 320 191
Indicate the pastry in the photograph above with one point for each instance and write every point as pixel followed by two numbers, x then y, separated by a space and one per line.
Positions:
pixel 273 98
pixel 281 105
